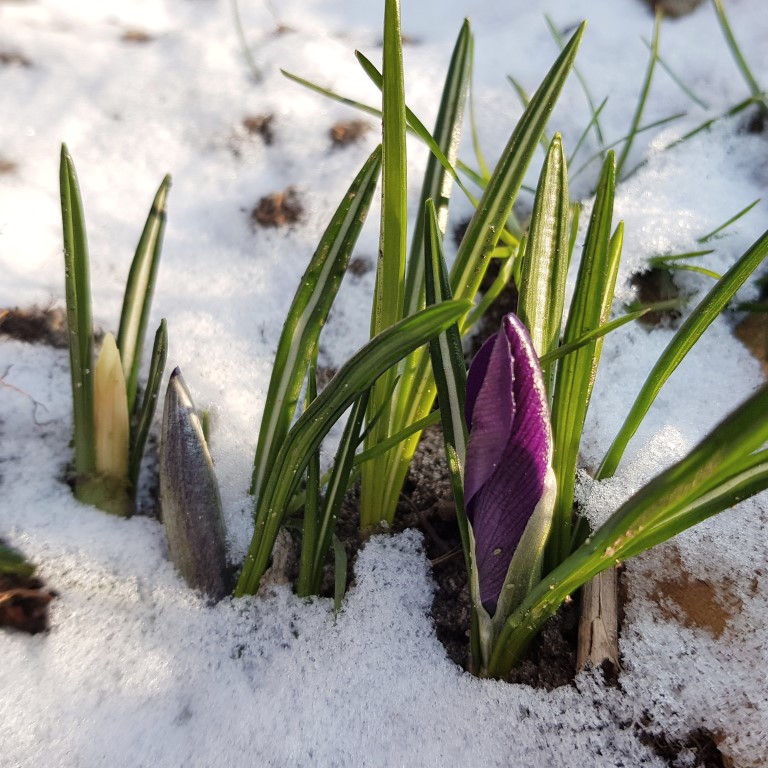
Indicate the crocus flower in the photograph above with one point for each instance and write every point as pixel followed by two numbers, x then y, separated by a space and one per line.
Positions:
pixel 189 495
pixel 508 472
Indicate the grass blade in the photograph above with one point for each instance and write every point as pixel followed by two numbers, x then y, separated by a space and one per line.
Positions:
pixel 338 485
pixel 367 108
pixel 389 291
pixel 496 203
pixel 545 266
pixel 437 181
pixel 507 273
pixel 735 110
pixel 595 112
pixel 692 268
pixel 339 574
pixel 310 307
pixel 589 310
pixel 661 261
pixel 682 342
pixel 79 318
pixel 710 235
pixel 355 377
pixel 304 587
pixel 247 55
pixel 605 329
pixel 414 125
pixel 451 381
pixel 745 481
pixel 138 292
pixel 385 445
pixel 525 100
pixel 583 136
pixel 677 80
pixel 149 401
pixel 445 350
pixel 624 139
pixel 741 62
pixel 645 89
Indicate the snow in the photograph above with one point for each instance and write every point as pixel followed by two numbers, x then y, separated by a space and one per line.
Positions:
pixel 137 670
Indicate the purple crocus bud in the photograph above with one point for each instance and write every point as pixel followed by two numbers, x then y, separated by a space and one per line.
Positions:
pixel 509 454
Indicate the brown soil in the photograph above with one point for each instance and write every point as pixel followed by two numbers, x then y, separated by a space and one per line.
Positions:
pixel 24 603
pixel 753 334
pixel 359 266
pixel 7 166
pixel 653 286
pixel 260 125
pixel 348 132
pixel 695 602
pixel 14 59
pixel 35 325
pixel 136 36
pixel 699 748
pixel 278 209
pixel 674 8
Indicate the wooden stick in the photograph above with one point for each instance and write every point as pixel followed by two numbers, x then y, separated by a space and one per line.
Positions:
pixel 598 644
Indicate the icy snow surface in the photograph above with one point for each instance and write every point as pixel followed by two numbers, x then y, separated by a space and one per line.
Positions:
pixel 139 671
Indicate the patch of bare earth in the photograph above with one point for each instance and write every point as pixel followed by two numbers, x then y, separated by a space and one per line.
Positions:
pixel 279 209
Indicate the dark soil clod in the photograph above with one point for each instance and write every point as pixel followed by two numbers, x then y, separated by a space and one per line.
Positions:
pixel 14 59
pixel 674 8
pixel 359 266
pixel 698 748
pixel 35 325
pixel 348 132
pixel 279 209
pixel 136 36
pixel 260 125
pixel 7 166
pixel 653 286
pixel 24 603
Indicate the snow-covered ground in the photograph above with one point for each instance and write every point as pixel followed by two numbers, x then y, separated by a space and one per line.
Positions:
pixel 139 671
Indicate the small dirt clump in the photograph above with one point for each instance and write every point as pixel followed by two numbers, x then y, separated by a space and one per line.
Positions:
pixel 35 325
pixel 348 132
pixel 279 209
pixel 260 125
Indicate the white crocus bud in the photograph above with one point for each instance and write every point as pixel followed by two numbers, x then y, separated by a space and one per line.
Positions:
pixel 111 429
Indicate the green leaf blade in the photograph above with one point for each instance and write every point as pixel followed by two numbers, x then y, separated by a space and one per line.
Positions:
pixel 545 265
pixel 496 203
pixel 389 290
pixel 437 180
pixel 355 377
pixel 139 290
pixel 683 341
pixel 576 373
pixel 309 310
pixel 338 484
pixel 79 316
pixel 149 402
